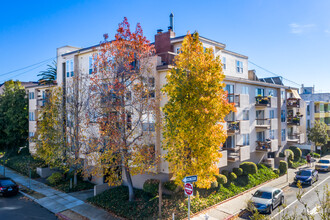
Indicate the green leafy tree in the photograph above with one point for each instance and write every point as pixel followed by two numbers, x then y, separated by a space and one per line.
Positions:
pixel 48 76
pixel 318 134
pixel 13 117
pixel 197 104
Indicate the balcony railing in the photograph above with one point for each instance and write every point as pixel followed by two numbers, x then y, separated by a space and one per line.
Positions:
pixel 263 101
pixel 263 123
pixel 293 103
pixel 233 127
pixel 293 121
pixel 294 138
pixel 263 146
pixel 232 98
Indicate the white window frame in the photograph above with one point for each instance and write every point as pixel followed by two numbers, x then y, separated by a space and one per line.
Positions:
pixel 245 90
pixel 246 112
pixel 239 66
pixel 224 62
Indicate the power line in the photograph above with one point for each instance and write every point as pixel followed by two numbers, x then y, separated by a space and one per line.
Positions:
pixel 42 62
pixel 299 84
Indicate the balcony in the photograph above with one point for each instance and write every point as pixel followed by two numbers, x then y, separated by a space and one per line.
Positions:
pixel 239 153
pixel 233 127
pixel 263 101
pixel 294 138
pixel 295 121
pixel 263 146
pixel 263 123
pixel 232 98
pixel 293 103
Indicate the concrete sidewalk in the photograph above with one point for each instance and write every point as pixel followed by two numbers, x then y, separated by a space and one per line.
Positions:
pixel 233 206
pixel 57 201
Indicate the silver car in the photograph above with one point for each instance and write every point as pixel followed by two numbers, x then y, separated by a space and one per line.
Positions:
pixel 323 165
pixel 267 198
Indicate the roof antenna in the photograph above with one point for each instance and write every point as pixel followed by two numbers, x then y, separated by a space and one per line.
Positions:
pixel 171 27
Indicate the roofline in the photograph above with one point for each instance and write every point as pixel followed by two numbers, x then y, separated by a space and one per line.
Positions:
pixel 235 54
pixel 41 86
pixel 81 50
pixel 180 38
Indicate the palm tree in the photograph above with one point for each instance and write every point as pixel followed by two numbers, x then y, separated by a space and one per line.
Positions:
pixel 48 76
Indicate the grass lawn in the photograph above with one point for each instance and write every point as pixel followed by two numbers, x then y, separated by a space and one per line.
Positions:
pixel 145 206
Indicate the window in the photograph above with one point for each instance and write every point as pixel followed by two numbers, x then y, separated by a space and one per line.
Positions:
pixel 283 135
pixel 67 69
pixel 308 123
pixel 31 134
pixel 229 89
pixel 31 95
pixel 129 121
pixel 246 139
pixel 148 126
pixel 230 142
pixel 282 115
pixel 272 134
pixel 282 95
pixel 308 111
pixel 239 66
pixel 178 50
pixel 260 136
pixel 71 67
pixel 151 82
pixel 224 63
pixel 245 90
pixel 271 113
pixel 271 92
pixel 246 114
pixel 260 92
pixel 91 63
pixel 31 116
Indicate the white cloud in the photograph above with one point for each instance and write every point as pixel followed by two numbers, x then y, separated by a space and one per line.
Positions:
pixel 301 28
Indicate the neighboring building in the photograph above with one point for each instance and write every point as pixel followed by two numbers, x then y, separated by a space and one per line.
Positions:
pixel 268 117
pixel 25 84
pixel 317 108
pixel 37 95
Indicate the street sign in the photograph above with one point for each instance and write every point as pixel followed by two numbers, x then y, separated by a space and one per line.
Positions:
pixel 190 179
pixel 188 189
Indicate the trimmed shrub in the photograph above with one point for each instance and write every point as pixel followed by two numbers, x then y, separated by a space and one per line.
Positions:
pixel 283 167
pixel 291 155
pixel 281 154
pixel 170 185
pixel 316 155
pixel 276 171
pixel 225 172
pixel 214 184
pixel 232 176
pixel 151 186
pixel 221 179
pixel 55 178
pixel 296 152
pixel 238 171
pixel 248 168
pixel 290 163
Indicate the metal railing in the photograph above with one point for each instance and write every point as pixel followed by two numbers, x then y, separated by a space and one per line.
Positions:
pixel 293 102
pixel 263 101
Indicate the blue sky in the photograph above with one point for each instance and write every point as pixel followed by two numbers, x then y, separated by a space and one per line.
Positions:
pixel 289 38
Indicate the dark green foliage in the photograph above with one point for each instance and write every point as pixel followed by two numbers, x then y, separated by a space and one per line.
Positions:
pixel 225 172
pixel 232 176
pixel 318 133
pixel 151 186
pixel 221 179
pixel 13 117
pixel 290 163
pixel 21 164
pixel 55 178
pixel 249 168
pixel 238 171
pixel 81 185
pixel 48 76
pixel 291 155
pixel 283 167
pixel 316 155
pixel 276 171
pixel 296 152
pixel 299 163
pixel 214 185
pixel 281 154
pixel 170 185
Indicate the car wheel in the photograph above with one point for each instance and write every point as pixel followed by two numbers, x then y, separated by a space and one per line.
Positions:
pixel 270 209
pixel 310 182
pixel 282 200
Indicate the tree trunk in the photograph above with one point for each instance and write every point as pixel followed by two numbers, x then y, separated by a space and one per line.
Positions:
pixel 130 185
pixel 75 178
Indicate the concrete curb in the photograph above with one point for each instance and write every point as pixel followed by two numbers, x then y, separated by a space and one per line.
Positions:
pixel 30 197
pixel 62 217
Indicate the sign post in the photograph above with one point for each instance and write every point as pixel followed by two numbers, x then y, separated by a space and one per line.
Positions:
pixel 189 189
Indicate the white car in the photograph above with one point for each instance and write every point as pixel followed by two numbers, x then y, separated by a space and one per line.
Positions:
pixel 267 198
pixel 323 165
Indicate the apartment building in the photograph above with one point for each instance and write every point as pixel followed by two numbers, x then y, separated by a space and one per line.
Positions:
pixel 37 95
pixel 268 118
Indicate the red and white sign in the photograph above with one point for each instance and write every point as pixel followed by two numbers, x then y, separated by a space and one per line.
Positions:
pixel 188 189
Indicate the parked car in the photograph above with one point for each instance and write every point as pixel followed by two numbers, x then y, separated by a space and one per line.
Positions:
pixel 267 198
pixel 323 165
pixel 306 176
pixel 8 186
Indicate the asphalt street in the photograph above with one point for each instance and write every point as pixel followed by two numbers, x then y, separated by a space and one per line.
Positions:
pixel 19 208
pixel 292 205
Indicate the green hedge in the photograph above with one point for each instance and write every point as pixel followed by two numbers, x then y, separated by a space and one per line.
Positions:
pixel 238 171
pixel 283 167
pixel 170 185
pixel 151 186
pixel 296 152
pixel 232 176
pixel 55 178
pixel 221 179
pixel 291 155
pixel 225 172
pixel 249 168
pixel 316 155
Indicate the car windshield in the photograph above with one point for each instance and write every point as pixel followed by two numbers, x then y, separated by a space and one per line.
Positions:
pixel 263 195
pixel 6 183
pixel 304 173
pixel 324 161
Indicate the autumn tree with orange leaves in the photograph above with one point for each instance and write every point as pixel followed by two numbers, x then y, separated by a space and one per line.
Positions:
pixel 122 103
pixel 193 133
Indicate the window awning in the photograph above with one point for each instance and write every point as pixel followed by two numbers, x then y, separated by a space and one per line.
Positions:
pixel 295 94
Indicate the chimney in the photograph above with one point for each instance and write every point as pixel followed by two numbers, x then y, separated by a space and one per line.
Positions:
pixel 159 31
pixel 171 27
